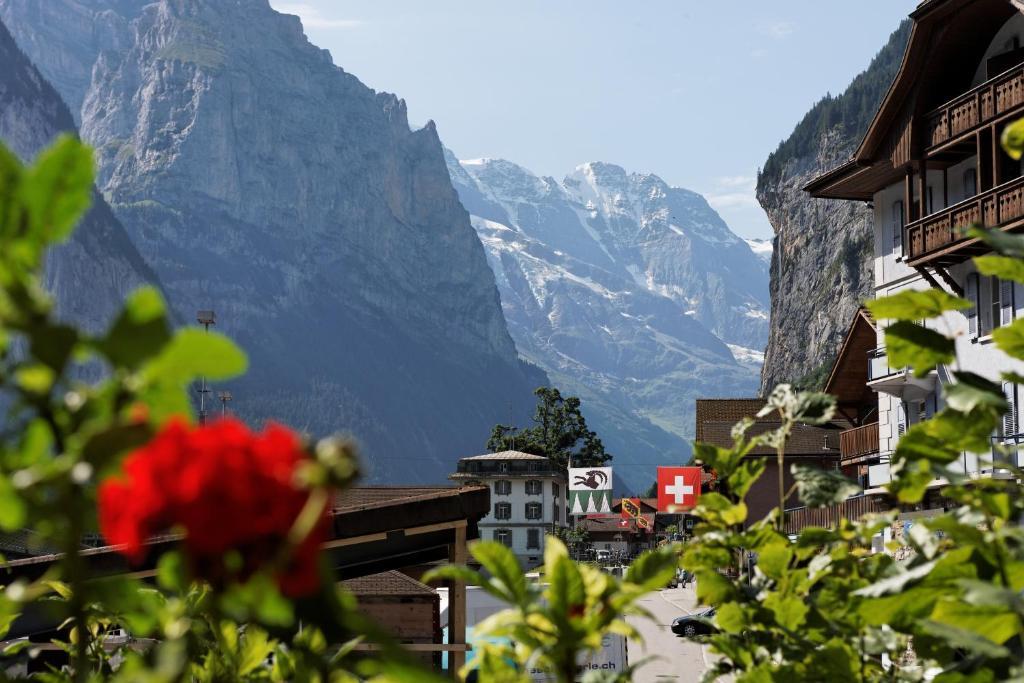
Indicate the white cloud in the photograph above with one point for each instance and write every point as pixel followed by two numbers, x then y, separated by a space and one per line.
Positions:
pixel 745 181
pixel 734 200
pixel 779 30
pixel 313 18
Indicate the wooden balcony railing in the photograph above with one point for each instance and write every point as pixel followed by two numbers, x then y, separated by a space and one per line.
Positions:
pixel 827 517
pixel 944 228
pixel 976 107
pixel 857 442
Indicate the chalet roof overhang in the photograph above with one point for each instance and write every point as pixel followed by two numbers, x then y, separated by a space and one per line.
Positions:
pixel 849 376
pixel 374 529
pixel 947 42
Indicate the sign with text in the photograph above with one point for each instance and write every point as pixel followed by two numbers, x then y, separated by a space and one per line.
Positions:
pixel 590 490
pixel 678 488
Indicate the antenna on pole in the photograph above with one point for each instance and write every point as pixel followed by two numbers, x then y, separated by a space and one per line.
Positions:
pixel 204 318
pixel 225 398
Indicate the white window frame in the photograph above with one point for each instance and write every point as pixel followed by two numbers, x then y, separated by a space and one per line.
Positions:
pixel 503 536
pixel 505 484
pixel 534 505
pixel 536 484
pixel 503 511
pixel 899 217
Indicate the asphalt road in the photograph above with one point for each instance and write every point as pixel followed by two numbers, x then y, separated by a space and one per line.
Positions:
pixel 678 660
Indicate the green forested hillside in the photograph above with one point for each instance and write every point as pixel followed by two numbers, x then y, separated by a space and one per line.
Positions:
pixel 853 109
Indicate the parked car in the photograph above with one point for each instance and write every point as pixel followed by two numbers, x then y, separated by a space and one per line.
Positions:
pixel 696 624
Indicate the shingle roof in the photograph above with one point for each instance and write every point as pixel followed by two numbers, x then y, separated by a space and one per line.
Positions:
pixel 730 410
pixel 374 496
pixel 387 583
pixel 506 455
pixel 805 439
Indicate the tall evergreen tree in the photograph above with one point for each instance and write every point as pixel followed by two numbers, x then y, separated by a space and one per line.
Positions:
pixel 559 432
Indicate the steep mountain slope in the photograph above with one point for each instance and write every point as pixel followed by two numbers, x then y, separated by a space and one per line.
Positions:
pixel 262 181
pixel 821 268
pixel 607 279
pixel 90 273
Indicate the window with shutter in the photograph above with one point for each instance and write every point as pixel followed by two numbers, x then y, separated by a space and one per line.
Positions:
pixel 901 419
pixel 503 536
pixel 1010 417
pixel 973 293
pixel 1006 299
pixel 970 183
pixel 533 538
pixel 898 217
pixel 503 511
pixel 534 511
pixel 995 305
pixel 533 487
pixel 502 487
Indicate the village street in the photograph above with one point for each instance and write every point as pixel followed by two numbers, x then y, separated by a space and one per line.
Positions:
pixel 677 659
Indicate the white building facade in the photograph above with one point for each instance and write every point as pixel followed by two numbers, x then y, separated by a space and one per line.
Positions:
pixel 931 166
pixel 528 499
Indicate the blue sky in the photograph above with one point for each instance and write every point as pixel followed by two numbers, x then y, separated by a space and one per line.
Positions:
pixel 698 92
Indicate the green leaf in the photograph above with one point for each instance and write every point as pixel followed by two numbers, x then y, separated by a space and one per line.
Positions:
pixel 1002 267
pixel 958 638
pixel 996 623
pixel 35 379
pixel 914 304
pixel 13 509
pixel 503 566
pixel 814 408
pixel 1003 243
pixel 818 488
pixel 746 475
pixel 193 353
pixel 731 618
pixel 256 647
pixel 790 611
pixel 972 392
pixel 140 331
pixel 566 592
pixel 1010 338
pixel 1012 139
pixel 774 560
pixel 58 189
pixel 913 345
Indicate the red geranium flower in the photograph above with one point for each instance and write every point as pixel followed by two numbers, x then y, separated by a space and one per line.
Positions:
pixel 227 488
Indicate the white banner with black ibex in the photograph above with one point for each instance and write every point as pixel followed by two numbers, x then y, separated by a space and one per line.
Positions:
pixel 590 491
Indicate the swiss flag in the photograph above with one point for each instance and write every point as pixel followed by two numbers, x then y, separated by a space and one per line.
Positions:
pixel 678 488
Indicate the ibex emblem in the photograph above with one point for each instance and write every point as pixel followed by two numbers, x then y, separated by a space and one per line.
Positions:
pixel 593 479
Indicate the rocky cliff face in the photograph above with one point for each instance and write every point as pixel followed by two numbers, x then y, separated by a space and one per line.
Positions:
pixel 821 269
pixel 90 274
pixel 610 282
pixel 260 180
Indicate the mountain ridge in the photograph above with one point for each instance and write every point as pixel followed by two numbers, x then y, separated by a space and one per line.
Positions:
pixel 333 247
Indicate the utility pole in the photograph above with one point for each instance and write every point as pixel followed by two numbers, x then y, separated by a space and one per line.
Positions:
pixel 225 397
pixel 206 319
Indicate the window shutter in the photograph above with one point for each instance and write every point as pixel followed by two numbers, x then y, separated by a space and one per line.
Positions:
pixel 1010 418
pixel 972 296
pixel 901 419
pixel 1006 301
pixel 970 183
pixel 897 227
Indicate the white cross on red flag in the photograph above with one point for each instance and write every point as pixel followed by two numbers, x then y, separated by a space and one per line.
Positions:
pixel 678 488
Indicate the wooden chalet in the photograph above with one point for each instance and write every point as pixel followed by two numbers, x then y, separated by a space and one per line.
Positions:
pixel 947 107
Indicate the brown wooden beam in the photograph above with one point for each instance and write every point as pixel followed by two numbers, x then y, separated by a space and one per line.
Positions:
pixel 457 605
pixel 957 289
pixel 928 276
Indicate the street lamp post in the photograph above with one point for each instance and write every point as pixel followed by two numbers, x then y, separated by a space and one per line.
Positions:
pixel 206 319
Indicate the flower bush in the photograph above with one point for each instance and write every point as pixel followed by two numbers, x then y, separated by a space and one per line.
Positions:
pixel 232 493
